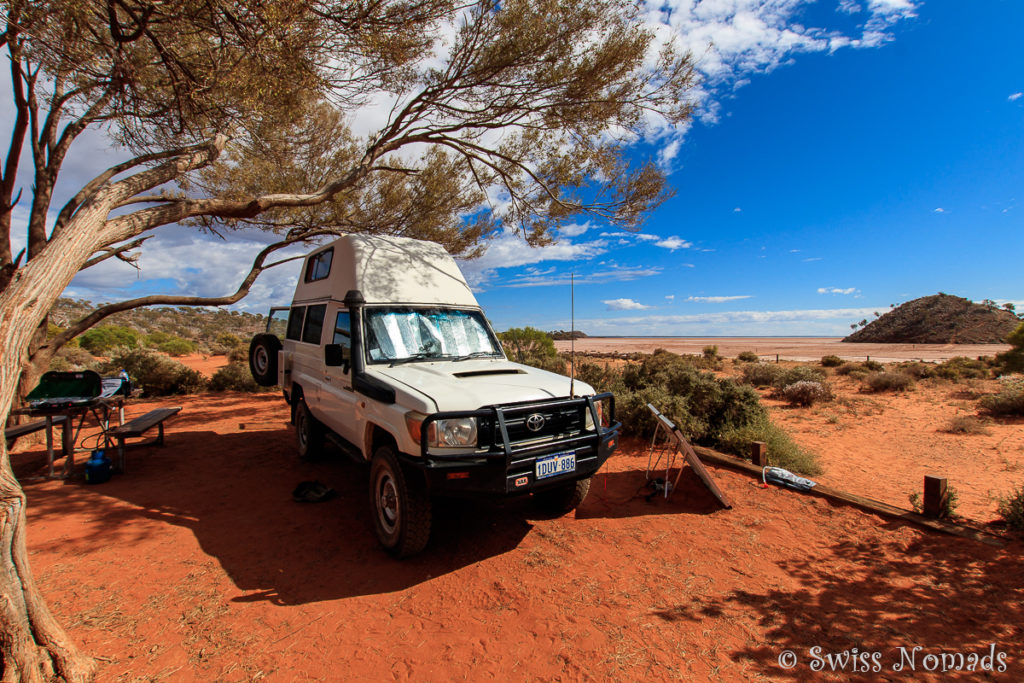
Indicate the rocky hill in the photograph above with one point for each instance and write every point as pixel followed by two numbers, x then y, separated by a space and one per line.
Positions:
pixel 939 319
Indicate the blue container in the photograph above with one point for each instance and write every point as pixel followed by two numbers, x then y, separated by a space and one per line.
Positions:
pixel 97 468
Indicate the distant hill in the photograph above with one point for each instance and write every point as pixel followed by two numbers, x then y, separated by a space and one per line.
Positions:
pixel 939 319
pixel 562 334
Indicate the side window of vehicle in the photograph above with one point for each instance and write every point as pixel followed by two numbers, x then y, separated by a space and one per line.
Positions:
pixel 319 265
pixel 295 319
pixel 314 326
pixel 342 333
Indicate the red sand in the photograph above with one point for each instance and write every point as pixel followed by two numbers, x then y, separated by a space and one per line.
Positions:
pixel 196 565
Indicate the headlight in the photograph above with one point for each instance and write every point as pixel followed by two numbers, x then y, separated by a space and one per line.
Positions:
pixel 455 433
pixel 460 432
pixel 588 424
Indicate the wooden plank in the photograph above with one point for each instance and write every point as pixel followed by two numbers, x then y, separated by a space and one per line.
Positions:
pixel 859 501
pixel 144 423
pixel 759 453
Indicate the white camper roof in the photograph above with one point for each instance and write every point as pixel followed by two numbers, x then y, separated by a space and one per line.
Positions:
pixel 395 270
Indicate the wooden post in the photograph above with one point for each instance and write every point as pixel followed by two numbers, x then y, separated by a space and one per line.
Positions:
pixel 776 358
pixel 935 495
pixel 759 453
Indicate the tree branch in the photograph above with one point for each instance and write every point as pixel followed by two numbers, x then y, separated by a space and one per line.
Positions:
pixel 119 252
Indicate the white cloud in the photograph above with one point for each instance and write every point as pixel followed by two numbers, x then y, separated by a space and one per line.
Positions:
pixel 611 273
pixel 670 297
pixel 624 305
pixel 737 210
pixel 794 251
pixel 508 250
pixel 1015 96
pixel 574 229
pixel 717 299
pixel 673 243
pixel 939 210
pixel 812 259
pixel 837 290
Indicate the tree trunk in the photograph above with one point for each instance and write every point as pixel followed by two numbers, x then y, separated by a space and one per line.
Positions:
pixel 33 646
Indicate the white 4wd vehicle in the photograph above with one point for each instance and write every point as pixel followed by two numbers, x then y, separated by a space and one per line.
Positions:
pixel 386 352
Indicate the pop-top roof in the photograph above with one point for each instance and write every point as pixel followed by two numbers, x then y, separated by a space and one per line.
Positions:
pixel 395 270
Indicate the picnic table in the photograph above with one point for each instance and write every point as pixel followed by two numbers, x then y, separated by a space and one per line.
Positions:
pixel 69 395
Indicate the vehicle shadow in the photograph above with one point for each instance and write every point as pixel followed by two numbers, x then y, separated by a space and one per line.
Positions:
pixel 233 492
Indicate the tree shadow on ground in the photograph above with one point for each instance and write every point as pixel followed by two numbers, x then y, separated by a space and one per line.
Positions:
pixel 925 593
pixel 627 494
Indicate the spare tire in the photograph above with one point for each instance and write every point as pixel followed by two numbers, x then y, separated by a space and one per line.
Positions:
pixel 263 359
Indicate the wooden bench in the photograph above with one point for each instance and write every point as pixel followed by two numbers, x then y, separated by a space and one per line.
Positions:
pixel 139 426
pixel 11 434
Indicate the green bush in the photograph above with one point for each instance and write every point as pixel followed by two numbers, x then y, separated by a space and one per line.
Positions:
pixel 888 381
pixel 806 393
pixel 1011 509
pixel 872 366
pixel 1008 402
pixel 800 373
pixel 960 367
pixel 155 339
pixel 761 374
pixel 831 361
pixel 917 369
pixel 847 368
pixel 234 377
pixel 239 354
pixel 105 338
pixel 533 347
pixel 782 450
pixel 748 357
pixel 155 374
pixel 177 346
pixel 1013 360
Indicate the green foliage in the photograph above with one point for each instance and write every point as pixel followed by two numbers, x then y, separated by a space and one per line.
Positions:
pixel 917 369
pixel 1013 360
pixel 1008 402
pixel 888 381
pixel 806 393
pixel 234 377
pixel 960 367
pixel 105 338
pixel 761 374
pixel 177 347
pixel 748 357
pixel 831 361
pixel 72 358
pixel 711 353
pixel 800 373
pixel 1011 509
pixel 157 375
pixel 530 346
pixel 782 450
pixel 872 366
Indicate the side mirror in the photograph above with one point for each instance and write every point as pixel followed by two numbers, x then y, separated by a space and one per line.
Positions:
pixel 335 355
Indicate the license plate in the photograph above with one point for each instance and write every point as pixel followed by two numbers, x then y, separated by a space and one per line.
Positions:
pixel 555 464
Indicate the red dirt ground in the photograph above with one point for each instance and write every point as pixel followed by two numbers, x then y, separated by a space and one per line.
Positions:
pixel 197 565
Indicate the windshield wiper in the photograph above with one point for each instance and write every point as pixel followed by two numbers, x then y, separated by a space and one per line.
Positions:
pixel 422 355
pixel 477 354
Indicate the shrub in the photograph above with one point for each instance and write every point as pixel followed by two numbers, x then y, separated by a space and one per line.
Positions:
pixel 917 369
pixel 961 367
pixel 831 361
pixel 966 424
pixel 1008 402
pixel 847 368
pixel 801 373
pixel 155 374
pixel 782 450
pixel 711 353
pixel 100 340
pixel 761 374
pixel 748 357
pixel 888 381
pixel 76 358
pixel 239 354
pixel 872 366
pixel 155 339
pixel 1011 509
pixel 805 393
pixel 234 377
pixel 532 347
pixel 176 346
pixel 1013 360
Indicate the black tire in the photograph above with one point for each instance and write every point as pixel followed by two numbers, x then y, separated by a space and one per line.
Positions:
pixel 399 505
pixel 309 431
pixel 564 498
pixel 263 359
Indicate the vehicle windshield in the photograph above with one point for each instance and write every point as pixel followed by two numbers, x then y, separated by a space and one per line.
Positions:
pixel 396 335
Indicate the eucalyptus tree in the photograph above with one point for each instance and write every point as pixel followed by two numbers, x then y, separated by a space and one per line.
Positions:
pixel 238 116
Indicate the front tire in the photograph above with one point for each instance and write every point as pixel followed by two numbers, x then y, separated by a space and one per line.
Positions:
pixel 309 431
pixel 564 498
pixel 399 504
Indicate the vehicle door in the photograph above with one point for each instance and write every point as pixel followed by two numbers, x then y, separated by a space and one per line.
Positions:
pixel 305 329
pixel 339 400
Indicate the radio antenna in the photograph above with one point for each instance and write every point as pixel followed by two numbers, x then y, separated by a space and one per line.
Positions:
pixel 572 335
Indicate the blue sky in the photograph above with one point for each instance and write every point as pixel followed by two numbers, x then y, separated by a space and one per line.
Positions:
pixel 847 155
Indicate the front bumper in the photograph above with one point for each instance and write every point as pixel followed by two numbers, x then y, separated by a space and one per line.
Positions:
pixel 507 466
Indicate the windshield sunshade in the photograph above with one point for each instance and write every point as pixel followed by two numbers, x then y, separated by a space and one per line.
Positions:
pixel 405 334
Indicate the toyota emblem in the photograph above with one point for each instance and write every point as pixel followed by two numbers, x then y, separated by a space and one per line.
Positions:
pixel 535 422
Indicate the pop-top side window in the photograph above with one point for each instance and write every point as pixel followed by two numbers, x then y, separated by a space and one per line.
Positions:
pixel 295 319
pixel 319 265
